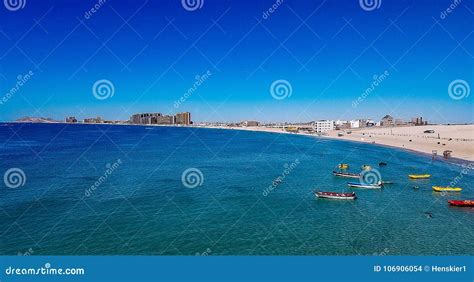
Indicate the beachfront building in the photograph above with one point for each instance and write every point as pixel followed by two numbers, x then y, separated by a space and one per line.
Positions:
pixel 71 120
pixel 400 122
pixel 355 123
pixel 370 123
pixel 323 125
pixel 387 121
pixel 250 123
pixel 135 119
pixel 183 118
pixel 152 118
pixel 144 118
pixel 418 121
pixel 342 124
pixel 93 120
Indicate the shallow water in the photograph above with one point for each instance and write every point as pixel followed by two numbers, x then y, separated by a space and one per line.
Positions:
pixel 142 206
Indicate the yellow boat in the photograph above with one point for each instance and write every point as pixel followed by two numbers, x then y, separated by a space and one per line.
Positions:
pixel 366 167
pixel 343 166
pixel 419 176
pixel 446 189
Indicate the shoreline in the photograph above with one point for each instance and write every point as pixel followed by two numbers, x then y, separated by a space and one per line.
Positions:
pixel 463 151
pixel 452 160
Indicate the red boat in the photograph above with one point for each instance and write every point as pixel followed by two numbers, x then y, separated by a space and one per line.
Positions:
pixel 334 195
pixel 461 203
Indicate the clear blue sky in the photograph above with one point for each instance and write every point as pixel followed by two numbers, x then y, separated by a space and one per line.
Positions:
pixel 152 51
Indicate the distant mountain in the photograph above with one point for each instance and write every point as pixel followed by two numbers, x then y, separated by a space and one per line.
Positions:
pixel 36 120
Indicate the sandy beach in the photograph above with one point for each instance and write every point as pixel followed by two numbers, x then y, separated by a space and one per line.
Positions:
pixel 457 138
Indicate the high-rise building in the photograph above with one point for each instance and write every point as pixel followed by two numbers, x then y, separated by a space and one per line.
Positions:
pixel 158 118
pixel 418 121
pixel 93 120
pixel 183 118
pixel 135 119
pixel 163 119
pixel 71 120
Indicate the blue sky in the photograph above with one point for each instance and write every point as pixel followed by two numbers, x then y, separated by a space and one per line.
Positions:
pixel 152 51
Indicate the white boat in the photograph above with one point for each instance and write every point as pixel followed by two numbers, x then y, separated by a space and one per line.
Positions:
pixel 366 186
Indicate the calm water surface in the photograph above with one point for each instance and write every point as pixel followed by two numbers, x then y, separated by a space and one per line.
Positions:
pixel 142 207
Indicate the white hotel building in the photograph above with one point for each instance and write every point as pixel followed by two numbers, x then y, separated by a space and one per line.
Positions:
pixel 323 125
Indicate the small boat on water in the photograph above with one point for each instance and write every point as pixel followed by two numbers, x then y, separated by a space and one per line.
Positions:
pixel 461 203
pixel 382 164
pixel 387 182
pixel 346 174
pixel 343 166
pixel 335 195
pixel 446 189
pixel 419 176
pixel 366 167
pixel 363 185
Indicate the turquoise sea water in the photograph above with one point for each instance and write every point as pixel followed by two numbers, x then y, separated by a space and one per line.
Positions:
pixel 139 204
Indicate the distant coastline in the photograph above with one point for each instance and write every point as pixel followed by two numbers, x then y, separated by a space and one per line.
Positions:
pixel 462 151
